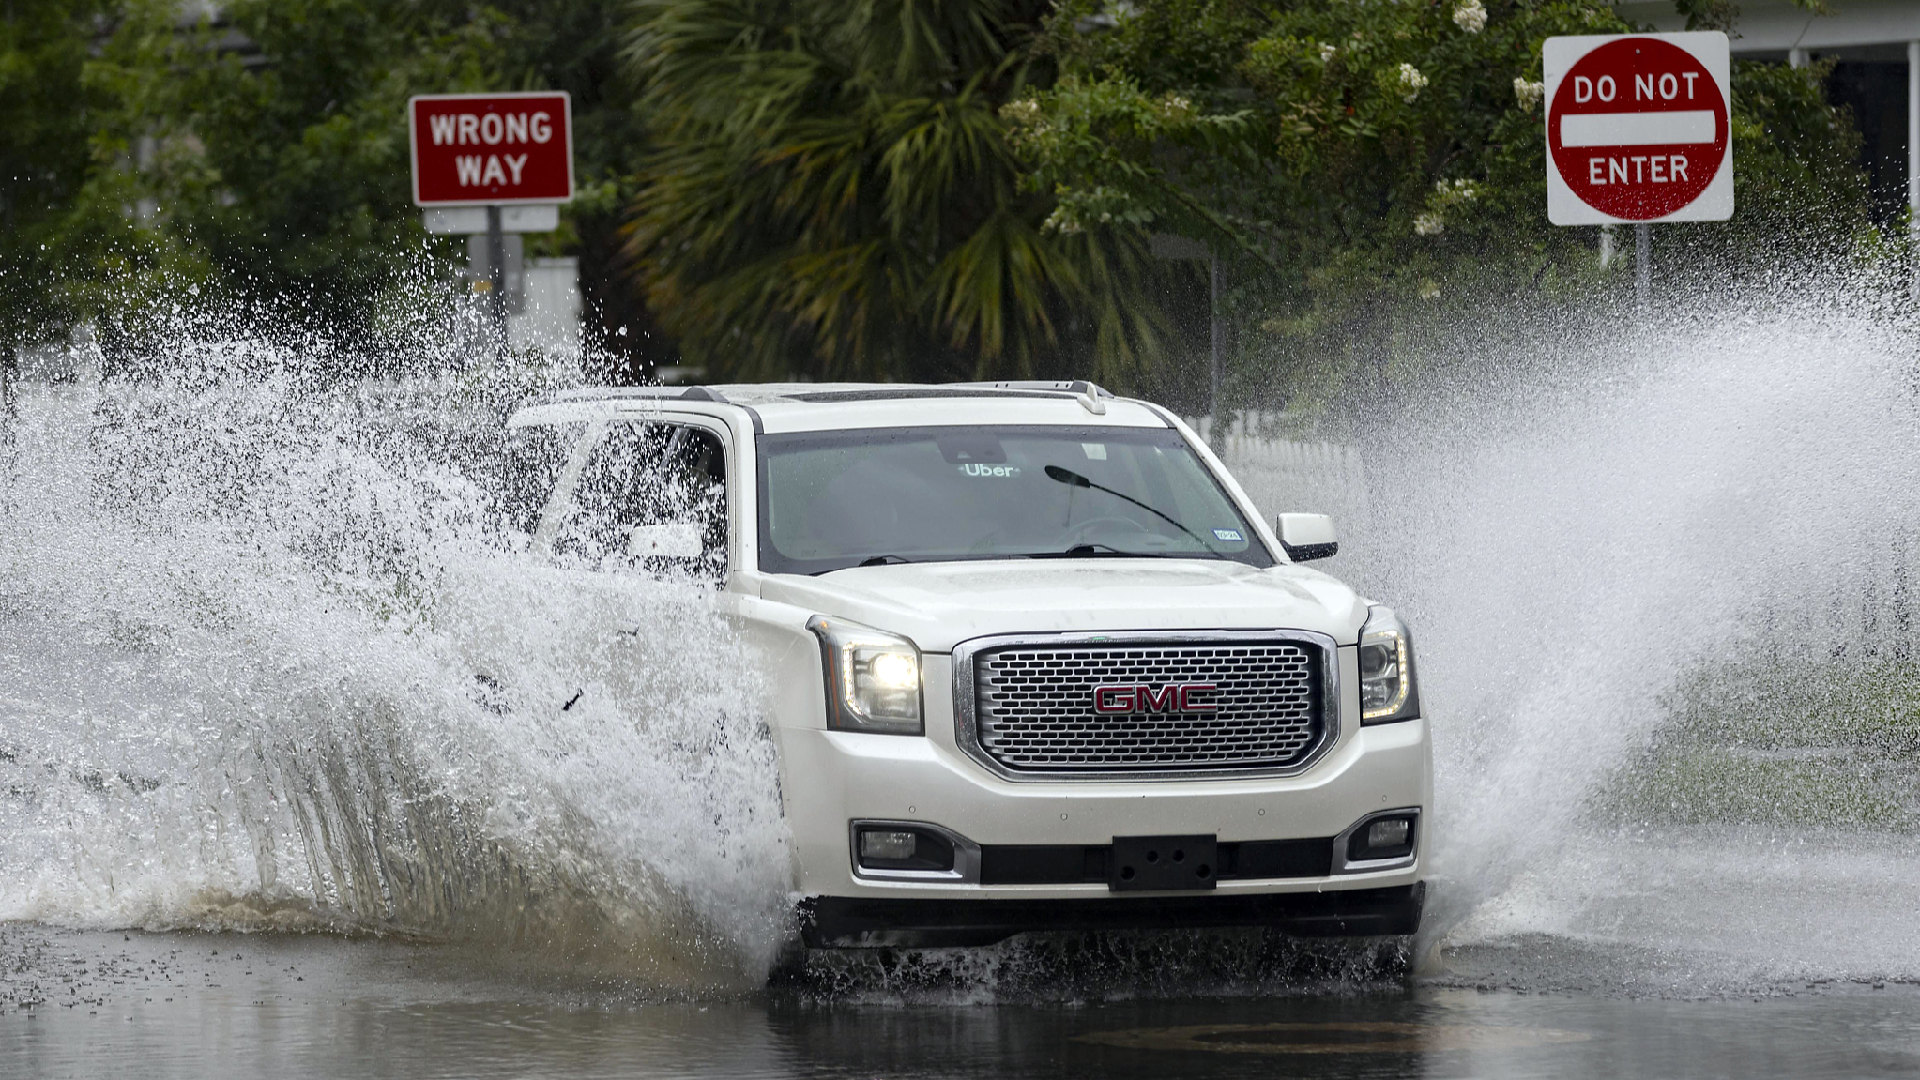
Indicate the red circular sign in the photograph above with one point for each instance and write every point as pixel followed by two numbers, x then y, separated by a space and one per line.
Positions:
pixel 1638 128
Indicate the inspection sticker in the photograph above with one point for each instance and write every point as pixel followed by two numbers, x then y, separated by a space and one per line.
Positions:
pixel 1227 534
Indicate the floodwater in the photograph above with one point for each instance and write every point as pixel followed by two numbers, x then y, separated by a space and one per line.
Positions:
pixel 306 771
pixel 231 1005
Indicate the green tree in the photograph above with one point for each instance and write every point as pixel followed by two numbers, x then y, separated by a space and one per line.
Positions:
pixel 831 192
pixel 256 159
pixel 44 161
pixel 1374 171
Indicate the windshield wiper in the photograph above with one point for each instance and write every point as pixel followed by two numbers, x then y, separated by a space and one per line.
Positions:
pixel 871 560
pixel 1108 551
pixel 1074 479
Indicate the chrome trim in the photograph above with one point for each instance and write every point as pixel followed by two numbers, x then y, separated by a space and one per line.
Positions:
pixel 966 854
pixel 1369 866
pixel 1377 615
pixel 966 725
pixel 822 628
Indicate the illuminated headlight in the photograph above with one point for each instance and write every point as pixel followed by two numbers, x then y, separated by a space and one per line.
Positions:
pixel 1387 690
pixel 873 678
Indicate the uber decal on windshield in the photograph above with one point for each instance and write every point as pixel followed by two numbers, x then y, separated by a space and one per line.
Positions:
pixel 1003 471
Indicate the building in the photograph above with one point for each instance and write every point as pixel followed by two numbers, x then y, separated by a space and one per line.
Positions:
pixel 1875 46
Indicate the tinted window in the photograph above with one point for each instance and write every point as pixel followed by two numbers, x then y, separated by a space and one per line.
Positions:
pixel 529 470
pixel 830 500
pixel 648 474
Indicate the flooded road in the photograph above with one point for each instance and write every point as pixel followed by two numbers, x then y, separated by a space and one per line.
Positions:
pixel 236 1005
pixel 275 668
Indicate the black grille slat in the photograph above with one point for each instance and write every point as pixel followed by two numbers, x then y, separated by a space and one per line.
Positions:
pixel 1034 707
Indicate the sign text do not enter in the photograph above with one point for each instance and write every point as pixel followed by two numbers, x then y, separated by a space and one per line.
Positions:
pixel 1638 128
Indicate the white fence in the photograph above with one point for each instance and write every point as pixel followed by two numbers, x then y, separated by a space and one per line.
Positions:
pixel 1867 602
pixel 1283 476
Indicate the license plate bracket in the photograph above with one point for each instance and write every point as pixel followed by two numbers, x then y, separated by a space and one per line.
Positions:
pixel 1178 863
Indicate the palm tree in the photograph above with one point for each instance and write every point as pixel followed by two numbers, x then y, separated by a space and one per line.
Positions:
pixel 831 194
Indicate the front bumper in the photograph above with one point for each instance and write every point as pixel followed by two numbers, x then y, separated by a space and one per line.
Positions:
pixel 833 778
pixel 837 922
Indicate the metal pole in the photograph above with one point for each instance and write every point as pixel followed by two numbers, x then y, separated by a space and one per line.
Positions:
pixel 1218 334
pixel 9 414
pixel 1643 265
pixel 496 281
pixel 9 361
pixel 1913 157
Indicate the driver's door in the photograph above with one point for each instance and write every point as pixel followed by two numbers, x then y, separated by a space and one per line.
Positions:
pixel 642 496
pixel 633 543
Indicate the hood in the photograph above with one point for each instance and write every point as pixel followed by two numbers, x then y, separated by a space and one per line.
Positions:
pixel 940 604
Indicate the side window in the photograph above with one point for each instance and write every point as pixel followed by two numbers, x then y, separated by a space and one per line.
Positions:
pixel 651 497
pixel 528 471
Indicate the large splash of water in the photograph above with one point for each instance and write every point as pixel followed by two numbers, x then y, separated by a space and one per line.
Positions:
pixel 274 659
pixel 1646 521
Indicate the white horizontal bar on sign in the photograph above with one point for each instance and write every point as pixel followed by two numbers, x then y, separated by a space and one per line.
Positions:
pixel 1637 129
pixel 537 217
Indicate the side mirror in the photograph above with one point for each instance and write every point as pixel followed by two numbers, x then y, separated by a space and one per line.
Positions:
pixel 1307 536
pixel 668 540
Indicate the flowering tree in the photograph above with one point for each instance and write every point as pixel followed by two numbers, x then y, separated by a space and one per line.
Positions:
pixel 1367 167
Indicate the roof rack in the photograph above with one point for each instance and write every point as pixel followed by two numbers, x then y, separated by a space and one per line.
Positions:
pixel 611 393
pixel 1093 397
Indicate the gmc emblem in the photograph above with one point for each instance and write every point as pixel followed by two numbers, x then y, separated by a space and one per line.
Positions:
pixel 1173 697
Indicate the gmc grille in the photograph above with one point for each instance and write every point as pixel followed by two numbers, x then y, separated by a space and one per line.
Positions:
pixel 1034 706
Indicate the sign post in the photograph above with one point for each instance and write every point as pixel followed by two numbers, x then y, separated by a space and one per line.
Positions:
pixel 1171 246
pixel 492 164
pixel 1639 130
pixel 496 273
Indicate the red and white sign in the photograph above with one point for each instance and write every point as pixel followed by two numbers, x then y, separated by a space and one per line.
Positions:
pixel 491 149
pixel 1638 128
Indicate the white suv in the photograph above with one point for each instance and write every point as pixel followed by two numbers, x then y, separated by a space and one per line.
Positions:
pixel 1037 661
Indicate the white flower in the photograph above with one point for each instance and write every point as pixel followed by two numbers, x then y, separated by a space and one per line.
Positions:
pixel 1428 224
pixel 1023 111
pixel 1411 78
pixel 1429 289
pixel 1326 53
pixel 1468 15
pixel 1528 93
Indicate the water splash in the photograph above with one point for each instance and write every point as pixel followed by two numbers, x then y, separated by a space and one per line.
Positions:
pixel 275 662
pixel 1640 519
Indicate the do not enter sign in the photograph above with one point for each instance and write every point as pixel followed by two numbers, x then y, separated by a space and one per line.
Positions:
pixel 1638 129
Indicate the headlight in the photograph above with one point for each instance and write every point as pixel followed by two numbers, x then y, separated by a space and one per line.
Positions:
pixel 1387 690
pixel 873 678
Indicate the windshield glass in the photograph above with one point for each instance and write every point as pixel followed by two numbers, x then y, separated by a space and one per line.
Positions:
pixel 830 500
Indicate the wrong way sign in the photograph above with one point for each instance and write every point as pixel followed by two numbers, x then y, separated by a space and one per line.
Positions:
pixel 1638 128
pixel 491 149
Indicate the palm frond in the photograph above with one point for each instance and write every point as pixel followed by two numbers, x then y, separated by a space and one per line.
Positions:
pixel 832 194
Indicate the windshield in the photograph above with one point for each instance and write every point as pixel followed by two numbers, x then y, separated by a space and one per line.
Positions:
pixel 830 500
